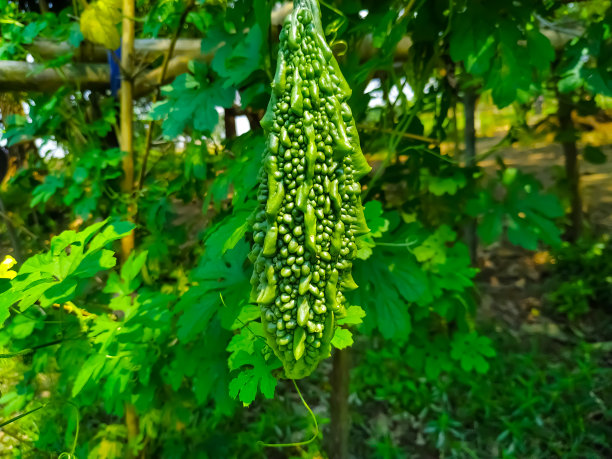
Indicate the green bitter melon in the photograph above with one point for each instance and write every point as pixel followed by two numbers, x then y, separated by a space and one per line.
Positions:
pixel 310 210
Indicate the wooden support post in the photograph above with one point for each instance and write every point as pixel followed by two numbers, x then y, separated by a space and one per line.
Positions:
pixel 469 110
pixel 338 446
pixel 567 135
pixel 127 146
pixel 126 115
pixel 230 124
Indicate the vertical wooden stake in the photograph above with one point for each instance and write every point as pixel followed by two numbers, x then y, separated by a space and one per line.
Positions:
pixel 567 132
pixel 230 124
pixel 127 146
pixel 340 417
pixel 469 110
pixel 126 114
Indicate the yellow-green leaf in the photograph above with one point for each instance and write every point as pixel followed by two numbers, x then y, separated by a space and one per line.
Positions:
pixel 99 23
pixel 5 268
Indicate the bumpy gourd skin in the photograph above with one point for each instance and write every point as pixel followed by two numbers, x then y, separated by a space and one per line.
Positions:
pixel 310 207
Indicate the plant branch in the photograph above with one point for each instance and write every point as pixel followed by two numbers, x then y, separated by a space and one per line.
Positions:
pixel 408 135
pixel 162 76
pixel 10 229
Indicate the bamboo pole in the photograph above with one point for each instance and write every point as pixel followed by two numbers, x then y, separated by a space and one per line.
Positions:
pixel 126 115
pixel 144 48
pixel 127 145
pixel 25 76
pixel 29 77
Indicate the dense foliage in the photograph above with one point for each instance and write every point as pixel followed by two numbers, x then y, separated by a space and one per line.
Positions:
pixel 127 324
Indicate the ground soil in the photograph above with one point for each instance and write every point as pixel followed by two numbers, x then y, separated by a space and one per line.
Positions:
pixel 513 280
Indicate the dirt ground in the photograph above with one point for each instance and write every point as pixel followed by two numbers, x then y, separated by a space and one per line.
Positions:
pixel 546 161
pixel 513 280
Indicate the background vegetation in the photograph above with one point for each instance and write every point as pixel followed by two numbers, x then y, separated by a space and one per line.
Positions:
pixel 129 176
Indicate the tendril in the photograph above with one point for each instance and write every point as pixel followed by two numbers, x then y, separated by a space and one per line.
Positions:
pixel 301 443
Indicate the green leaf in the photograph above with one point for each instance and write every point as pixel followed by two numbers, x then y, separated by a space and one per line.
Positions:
pixel 258 374
pixel 131 269
pixel 473 39
pixel 491 226
pixel 342 339
pixel 505 78
pixel 409 278
pixel 373 214
pixel 541 51
pixel 47 189
pixel 432 249
pixel 430 357
pixel 195 164
pixel 594 155
pixel 31 31
pixel 88 371
pixel 394 321
pixel 242 342
pixel 470 350
pixel 528 213
pixel 248 313
pixel 598 81
pixel 53 276
pixel 354 316
pixel 440 185
pixel 435 363
pixel 197 310
pixel 190 101
pixel 234 229
pixel 519 233
pixel 389 282
pixel 59 293
pixel 76 36
pixel 22 327
pixel 237 61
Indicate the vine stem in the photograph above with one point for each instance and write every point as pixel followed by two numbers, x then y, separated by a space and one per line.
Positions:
pixel 22 415
pixel 69 455
pixel 300 443
pixel 156 94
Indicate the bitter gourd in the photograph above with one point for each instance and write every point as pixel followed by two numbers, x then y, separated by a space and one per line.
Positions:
pixel 310 211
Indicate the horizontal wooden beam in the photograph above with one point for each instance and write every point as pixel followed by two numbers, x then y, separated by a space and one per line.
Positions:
pixel 145 49
pixel 25 76
pixel 92 71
